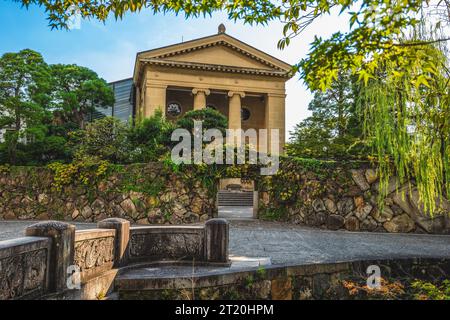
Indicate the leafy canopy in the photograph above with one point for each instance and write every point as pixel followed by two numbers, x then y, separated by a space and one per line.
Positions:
pixel 77 91
pixel 24 89
pixel 41 103
pixel 333 130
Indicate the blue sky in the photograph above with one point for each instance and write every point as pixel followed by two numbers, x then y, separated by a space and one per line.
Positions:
pixel 110 49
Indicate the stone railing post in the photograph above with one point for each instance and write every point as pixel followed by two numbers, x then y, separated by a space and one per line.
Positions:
pixel 216 239
pixel 62 250
pixel 122 238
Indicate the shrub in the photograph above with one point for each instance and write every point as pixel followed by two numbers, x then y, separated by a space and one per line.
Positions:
pixel 211 119
pixel 105 139
pixel 150 138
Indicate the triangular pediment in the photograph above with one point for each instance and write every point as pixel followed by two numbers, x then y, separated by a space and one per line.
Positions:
pixel 220 55
pixel 217 50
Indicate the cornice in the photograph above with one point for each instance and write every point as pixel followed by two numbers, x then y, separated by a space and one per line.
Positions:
pixel 214 67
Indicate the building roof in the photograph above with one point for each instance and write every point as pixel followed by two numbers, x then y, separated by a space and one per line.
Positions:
pixel 252 60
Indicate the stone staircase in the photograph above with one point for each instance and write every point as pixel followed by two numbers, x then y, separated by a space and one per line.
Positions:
pixel 235 198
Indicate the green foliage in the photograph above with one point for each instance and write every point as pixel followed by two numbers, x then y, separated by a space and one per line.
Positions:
pixel 150 138
pixel 40 104
pixel 273 213
pixel 374 48
pixel 375 27
pixel 261 273
pixel 211 119
pixel 333 130
pixel 85 172
pixel 398 289
pixel 407 123
pixel 23 88
pixel 76 91
pixel 104 139
pixel 424 290
pixel 259 11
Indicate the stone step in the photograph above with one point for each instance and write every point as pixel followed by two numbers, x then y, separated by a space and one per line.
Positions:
pixel 235 199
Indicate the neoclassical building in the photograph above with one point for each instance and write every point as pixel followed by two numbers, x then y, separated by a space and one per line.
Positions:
pixel 218 71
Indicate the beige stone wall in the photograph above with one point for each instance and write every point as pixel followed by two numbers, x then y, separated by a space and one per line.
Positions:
pixel 275 117
pixel 217 63
pixel 267 112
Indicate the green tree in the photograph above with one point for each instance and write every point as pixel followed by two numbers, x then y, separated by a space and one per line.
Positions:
pixel 77 91
pixel 103 139
pixel 210 118
pixel 24 87
pixel 150 138
pixel 333 130
pixel 407 118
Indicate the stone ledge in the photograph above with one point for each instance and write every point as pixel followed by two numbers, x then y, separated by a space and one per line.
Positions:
pixel 89 234
pixel 274 282
pixel 23 245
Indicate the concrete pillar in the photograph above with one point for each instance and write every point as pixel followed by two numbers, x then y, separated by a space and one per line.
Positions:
pixel 217 237
pixel 275 118
pixel 234 112
pixel 62 250
pixel 200 97
pixel 122 238
pixel 155 98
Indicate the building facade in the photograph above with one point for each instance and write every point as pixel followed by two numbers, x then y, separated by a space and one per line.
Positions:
pixel 219 71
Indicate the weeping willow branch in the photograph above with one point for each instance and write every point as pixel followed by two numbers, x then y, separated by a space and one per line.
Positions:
pixel 407 119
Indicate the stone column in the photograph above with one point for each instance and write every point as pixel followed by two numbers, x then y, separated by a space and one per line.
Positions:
pixel 275 118
pixel 155 98
pixel 216 238
pixel 62 250
pixel 234 112
pixel 121 240
pixel 200 97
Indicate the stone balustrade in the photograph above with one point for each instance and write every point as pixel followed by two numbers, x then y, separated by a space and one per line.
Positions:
pixel 54 259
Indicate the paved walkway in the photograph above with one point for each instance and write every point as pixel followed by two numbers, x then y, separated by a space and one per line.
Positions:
pixel 254 242
pixel 291 244
pixel 235 212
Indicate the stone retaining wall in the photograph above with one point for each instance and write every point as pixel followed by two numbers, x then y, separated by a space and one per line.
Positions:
pixel 345 197
pixel 327 195
pixel 142 193
pixel 336 281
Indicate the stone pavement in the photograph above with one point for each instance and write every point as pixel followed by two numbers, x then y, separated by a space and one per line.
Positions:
pixel 254 242
pixel 291 244
pixel 235 212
